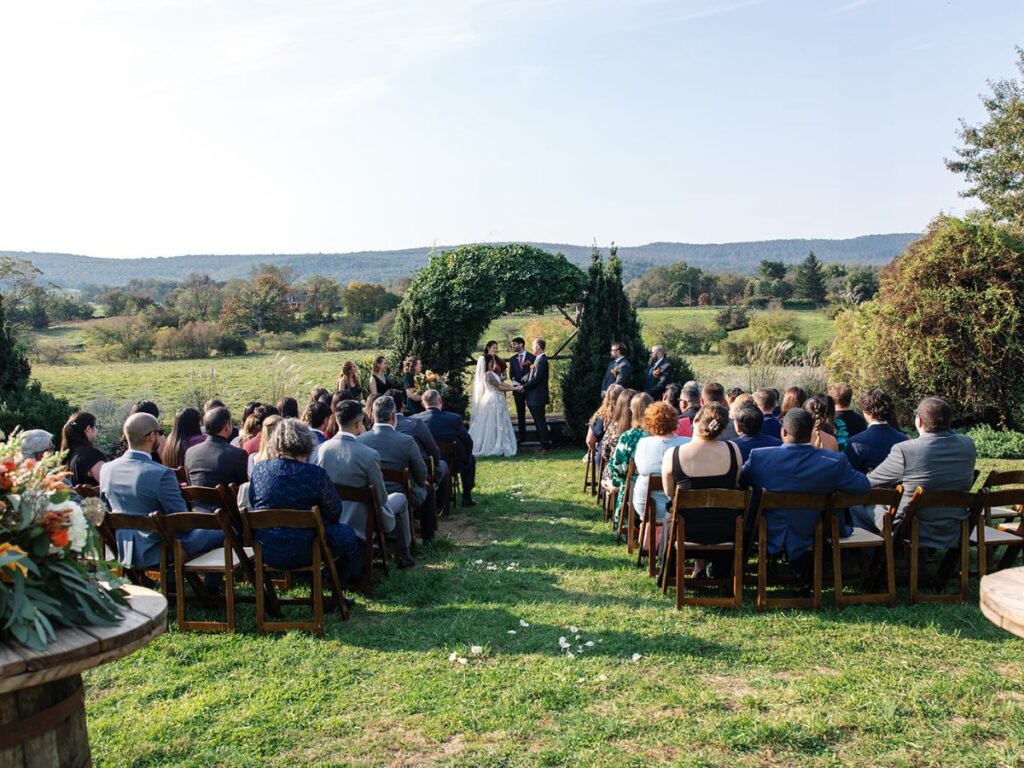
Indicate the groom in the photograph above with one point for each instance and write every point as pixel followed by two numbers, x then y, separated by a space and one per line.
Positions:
pixel 535 389
pixel 519 368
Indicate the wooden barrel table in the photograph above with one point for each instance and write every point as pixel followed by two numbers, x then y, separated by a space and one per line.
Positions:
pixel 1002 599
pixel 42 702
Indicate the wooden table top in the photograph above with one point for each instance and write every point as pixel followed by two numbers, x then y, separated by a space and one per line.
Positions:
pixel 76 650
pixel 1002 599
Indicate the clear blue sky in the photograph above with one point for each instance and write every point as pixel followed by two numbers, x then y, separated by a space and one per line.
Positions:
pixel 144 128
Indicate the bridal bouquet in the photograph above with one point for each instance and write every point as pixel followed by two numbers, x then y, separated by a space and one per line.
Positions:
pixel 45 538
pixel 430 380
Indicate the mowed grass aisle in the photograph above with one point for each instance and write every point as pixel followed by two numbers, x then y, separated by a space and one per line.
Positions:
pixel 922 685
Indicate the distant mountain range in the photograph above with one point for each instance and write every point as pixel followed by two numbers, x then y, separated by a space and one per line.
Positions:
pixel 72 271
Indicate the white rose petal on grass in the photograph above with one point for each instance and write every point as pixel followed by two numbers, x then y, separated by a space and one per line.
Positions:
pixel 476 650
pixel 569 655
pixel 563 643
pixel 589 643
pixel 511 632
pixel 478 562
pixel 574 630
pixel 463 660
pixel 602 678
pixel 523 623
pixel 637 656
pixel 453 657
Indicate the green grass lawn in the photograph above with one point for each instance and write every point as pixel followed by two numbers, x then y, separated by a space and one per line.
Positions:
pixel 911 686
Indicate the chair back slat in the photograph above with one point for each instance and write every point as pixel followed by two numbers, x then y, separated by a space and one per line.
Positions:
pixel 448 450
pixel 715 498
pixel 182 474
pixel 1008 477
pixel 119 521
pixel 283 518
pixel 811 502
pixel 183 522
pixel 925 499
pixel 199 494
pixel 885 497
pixel 1010 497
pixel 87 491
pixel 365 495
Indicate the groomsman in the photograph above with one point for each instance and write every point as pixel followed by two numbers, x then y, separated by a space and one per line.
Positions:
pixel 658 373
pixel 619 370
pixel 519 368
pixel 537 395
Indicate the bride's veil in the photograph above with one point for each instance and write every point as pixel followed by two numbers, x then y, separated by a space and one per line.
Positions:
pixel 478 383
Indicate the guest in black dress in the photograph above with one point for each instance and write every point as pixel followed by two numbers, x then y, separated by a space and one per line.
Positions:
pixel 83 458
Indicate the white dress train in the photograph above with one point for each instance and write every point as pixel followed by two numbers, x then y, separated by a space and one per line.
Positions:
pixel 490 425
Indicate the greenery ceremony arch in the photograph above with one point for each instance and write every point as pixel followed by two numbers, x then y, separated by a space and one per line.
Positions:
pixel 460 292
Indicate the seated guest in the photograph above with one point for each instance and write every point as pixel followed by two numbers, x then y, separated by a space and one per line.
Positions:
pixel 713 392
pixel 748 419
pixel 658 372
pixel 134 484
pixel 624 449
pixel 84 460
pixel 449 428
pixel 217 403
pixel 348 385
pixel 794 398
pixel 869 448
pixel 621 421
pixel 320 393
pixel 288 408
pixel 265 452
pixel 143 406
pixel 822 436
pixel 731 394
pixel 602 417
pixel 766 400
pixel 798 467
pixel 659 422
pixel 317 416
pixel 349 462
pixel 671 396
pixel 185 433
pixel 254 427
pixel 425 441
pixel 689 404
pixel 398 451
pixel 847 420
pixel 938 460
pixel 215 460
pixel 35 444
pixel 288 481
pixel 246 430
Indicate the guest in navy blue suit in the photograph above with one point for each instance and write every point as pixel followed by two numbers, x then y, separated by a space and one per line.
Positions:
pixel 798 467
pixel 748 420
pixel 447 427
pixel 867 449
pixel 767 400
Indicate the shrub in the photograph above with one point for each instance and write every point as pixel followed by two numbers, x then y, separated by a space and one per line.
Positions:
pixel 774 325
pixel 994 444
pixel 734 352
pixel 229 344
pixel 385 329
pixel 31 408
pixel 733 317
pixel 695 338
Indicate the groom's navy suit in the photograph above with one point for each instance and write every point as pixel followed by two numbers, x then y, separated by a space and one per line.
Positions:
pixel 537 398
pixel 519 372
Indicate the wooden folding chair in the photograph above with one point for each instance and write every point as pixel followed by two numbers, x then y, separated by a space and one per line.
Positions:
pixel 650 526
pixel 862 539
pixel 321 556
pixel 589 472
pixel 599 489
pixel 627 508
pixel 1010 534
pixel 182 474
pixel 449 452
pixel 403 477
pixel 999 516
pixel 909 530
pixel 224 560
pixel 117 521
pixel 372 535
pixel 815 504
pixel 687 503
pixel 108 542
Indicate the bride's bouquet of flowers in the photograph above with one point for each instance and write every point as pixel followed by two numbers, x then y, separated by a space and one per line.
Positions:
pixel 45 540
pixel 430 380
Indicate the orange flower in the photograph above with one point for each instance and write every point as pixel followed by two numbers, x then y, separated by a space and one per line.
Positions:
pixel 5 548
pixel 59 538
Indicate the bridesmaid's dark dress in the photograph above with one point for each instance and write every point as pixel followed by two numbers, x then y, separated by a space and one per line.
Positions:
pixel 411 406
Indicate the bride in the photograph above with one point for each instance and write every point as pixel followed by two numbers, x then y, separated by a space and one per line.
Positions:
pixel 490 425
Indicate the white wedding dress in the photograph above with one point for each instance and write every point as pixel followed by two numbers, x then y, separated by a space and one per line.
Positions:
pixel 490 425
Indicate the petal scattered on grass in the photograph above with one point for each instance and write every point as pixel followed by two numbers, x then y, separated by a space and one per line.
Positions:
pixel 476 650
pixel 602 678
pixel 511 632
pixel 453 656
pixel 589 643
pixel 463 660
pixel 523 623
pixel 637 656
pixel 574 630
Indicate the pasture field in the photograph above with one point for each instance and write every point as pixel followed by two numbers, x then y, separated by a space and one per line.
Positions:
pixel 923 685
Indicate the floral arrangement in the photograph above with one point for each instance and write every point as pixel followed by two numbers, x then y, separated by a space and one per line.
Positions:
pixel 430 380
pixel 45 538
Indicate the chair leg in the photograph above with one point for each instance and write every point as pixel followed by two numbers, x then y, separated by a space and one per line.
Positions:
pixel 737 584
pixel 890 562
pixel 982 550
pixel 680 569
pixel 818 546
pixel 913 561
pixel 762 566
pixel 837 564
pixel 318 590
pixel 652 544
pixel 630 530
pixel 229 587
pixel 260 576
pixel 179 582
pixel 965 557
pixel 671 545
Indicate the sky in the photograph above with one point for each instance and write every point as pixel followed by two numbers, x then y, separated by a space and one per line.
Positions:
pixel 164 127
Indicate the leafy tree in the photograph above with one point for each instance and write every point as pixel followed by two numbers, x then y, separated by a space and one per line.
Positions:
pixel 992 158
pixel 14 367
pixel 198 298
pixel 772 270
pixel 774 325
pixel 258 305
pixel 321 296
pixel 368 301
pixel 460 292
pixel 810 279
pixel 63 307
pixel 863 282
pixel 606 316
pixel 948 320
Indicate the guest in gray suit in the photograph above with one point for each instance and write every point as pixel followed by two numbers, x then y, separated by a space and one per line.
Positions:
pixel 348 462
pixel 215 460
pixel 420 432
pixel 938 460
pixel 134 484
pixel 398 451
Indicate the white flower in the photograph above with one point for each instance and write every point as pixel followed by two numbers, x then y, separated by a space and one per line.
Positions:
pixel 78 529
pixel 637 657
pixel 476 650
pixel 602 678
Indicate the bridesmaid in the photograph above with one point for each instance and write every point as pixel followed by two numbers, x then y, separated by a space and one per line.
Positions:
pixel 349 385
pixel 413 404
pixel 379 380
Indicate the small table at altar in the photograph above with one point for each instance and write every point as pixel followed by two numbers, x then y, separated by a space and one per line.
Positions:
pixel 1002 599
pixel 42 702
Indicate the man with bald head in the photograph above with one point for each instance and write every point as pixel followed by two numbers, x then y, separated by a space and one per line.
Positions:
pixel 658 373
pixel 134 484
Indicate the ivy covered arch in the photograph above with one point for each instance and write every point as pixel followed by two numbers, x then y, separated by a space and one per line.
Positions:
pixel 459 293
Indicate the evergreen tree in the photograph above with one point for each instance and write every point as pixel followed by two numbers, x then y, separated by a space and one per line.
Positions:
pixel 606 316
pixel 810 279
pixel 14 367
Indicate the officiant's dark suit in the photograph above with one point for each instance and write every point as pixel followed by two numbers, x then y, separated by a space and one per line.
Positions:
pixel 623 372
pixel 656 378
pixel 519 368
pixel 537 398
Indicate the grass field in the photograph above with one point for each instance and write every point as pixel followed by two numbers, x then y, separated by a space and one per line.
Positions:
pixel 911 686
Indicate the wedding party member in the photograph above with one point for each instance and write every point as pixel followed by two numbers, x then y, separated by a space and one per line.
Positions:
pixel 794 398
pixel 447 427
pixel 620 422
pixel 215 460
pixel 254 427
pixel 348 462
pixel 348 385
pixel 689 404
pixel 186 432
pixel 379 380
pixel 317 415
pixel 288 408
pixel 398 451
pixel 854 423
pixel 937 460
pixel 867 449
pixel 702 462
pixel 822 436
pixel 83 459
pixel 537 395
pixel 749 422
pixel 289 481
pixel 798 467
pixel 619 370
pixel 490 426
pixel 601 418
pixel 411 367
pixel 519 368
pixel 134 484
pixel 659 371
pixel 766 400
pixel 622 453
